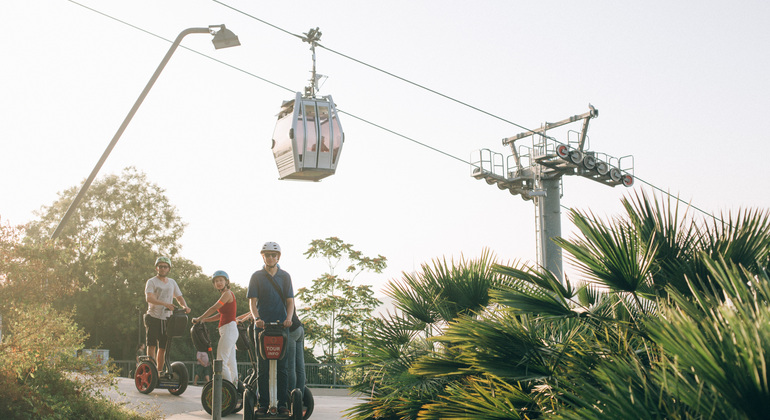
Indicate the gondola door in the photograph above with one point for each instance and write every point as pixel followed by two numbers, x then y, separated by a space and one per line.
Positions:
pixel 308 120
pixel 325 137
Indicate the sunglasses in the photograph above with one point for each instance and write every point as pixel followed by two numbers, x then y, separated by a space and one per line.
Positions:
pixel 271 255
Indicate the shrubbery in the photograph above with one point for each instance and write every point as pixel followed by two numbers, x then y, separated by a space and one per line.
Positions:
pixel 41 375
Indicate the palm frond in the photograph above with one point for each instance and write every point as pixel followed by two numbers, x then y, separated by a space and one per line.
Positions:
pixel 409 296
pixel 542 278
pixel 504 347
pixel 743 240
pixel 532 301
pixel 612 255
pixel 724 342
pixel 674 235
pixel 481 398
pixel 614 388
pixel 531 292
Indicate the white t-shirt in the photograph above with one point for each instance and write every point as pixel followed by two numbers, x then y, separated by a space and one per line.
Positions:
pixel 164 292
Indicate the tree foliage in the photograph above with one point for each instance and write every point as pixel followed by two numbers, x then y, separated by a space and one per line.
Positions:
pixel 31 273
pixel 106 253
pixel 336 308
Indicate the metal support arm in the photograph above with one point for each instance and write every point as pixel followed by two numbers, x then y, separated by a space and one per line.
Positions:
pixel 593 113
pixel 79 197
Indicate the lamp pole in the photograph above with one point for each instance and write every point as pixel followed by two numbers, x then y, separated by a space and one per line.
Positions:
pixel 223 38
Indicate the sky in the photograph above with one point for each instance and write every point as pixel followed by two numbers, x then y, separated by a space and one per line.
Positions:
pixel 682 87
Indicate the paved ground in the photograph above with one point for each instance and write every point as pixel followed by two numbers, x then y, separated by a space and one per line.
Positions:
pixel 329 403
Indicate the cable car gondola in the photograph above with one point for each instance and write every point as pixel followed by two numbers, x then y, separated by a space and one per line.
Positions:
pixel 308 137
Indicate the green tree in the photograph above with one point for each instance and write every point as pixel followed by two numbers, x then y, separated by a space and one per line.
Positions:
pixel 40 377
pixel 121 226
pixel 335 308
pixel 31 273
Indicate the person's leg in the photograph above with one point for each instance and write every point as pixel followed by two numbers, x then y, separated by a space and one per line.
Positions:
pixel 228 334
pixel 263 381
pixel 152 331
pixel 291 355
pixel 162 344
pixel 152 354
pixel 283 388
pixel 161 359
pixel 299 360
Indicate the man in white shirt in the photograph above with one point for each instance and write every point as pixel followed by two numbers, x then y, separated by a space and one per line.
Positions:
pixel 160 292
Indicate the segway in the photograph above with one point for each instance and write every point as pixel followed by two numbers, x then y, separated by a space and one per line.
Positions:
pixel 231 393
pixel 271 345
pixel 174 376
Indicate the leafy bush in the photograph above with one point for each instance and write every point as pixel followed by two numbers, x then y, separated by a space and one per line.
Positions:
pixel 41 375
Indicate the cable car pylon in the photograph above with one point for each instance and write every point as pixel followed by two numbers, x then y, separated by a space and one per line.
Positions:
pixel 308 136
pixel 535 172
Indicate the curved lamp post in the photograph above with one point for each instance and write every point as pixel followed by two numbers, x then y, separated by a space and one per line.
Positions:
pixel 223 38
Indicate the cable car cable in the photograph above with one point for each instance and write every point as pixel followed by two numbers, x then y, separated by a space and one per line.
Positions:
pixel 349 114
pixel 305 39
pixel 403 136
pixel 389 73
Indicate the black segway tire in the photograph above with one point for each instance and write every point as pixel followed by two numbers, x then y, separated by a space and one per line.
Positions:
pixel 249 404
pixel 180 370
pixel 229 397
pixel 146 377
pixel 295 402
pixel 308 403
pixel 239 397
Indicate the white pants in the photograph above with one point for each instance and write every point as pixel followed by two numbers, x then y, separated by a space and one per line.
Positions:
pixel 228 334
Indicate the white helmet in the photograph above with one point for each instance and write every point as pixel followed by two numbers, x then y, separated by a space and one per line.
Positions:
pixel 270 246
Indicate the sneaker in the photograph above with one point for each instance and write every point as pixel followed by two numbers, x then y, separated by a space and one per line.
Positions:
pixel 262 410
pixel 283 410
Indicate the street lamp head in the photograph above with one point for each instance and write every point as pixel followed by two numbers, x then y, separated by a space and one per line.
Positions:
pixel 223 37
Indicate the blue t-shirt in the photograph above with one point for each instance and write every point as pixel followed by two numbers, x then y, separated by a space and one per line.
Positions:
pixel 270 306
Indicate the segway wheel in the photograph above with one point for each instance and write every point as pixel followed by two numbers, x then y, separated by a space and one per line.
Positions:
pixel 249 404
pixel 146 377
pixel 308 402
pixel 239 397
pixel 181 372
pixel 295 400
pixel 229 397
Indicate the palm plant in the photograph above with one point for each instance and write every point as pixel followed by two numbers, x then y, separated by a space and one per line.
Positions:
pixel 426 301
pixel 670 320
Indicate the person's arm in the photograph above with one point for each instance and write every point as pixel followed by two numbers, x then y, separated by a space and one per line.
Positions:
pixel 289 312
pixel 226 298
pixel 183 303
pixel 151 298
pixel 243 317
pixel 255 314
pixel 206 315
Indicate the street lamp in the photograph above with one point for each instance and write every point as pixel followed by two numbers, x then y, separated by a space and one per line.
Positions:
pixel 223 38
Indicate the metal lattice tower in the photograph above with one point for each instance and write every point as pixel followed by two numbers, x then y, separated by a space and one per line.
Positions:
pixel 535 173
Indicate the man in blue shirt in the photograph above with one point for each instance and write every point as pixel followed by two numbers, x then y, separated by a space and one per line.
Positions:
pixel 267 305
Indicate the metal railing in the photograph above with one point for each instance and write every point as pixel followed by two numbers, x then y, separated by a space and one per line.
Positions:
pixel 318 375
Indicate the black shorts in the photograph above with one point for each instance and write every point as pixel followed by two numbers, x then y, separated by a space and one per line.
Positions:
pixel 156 332
pixel 204 370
